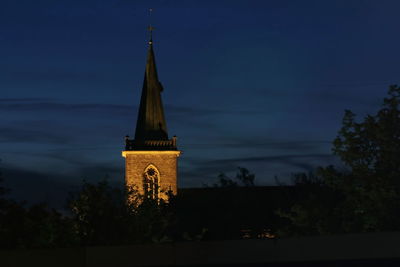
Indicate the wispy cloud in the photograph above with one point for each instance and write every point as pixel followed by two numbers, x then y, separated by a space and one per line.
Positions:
pixel 301 161
pixel 52 105
pixel 23 135
pixel 204 170
pixel 40 105
pixel 57 75
pixel 26 99
pixel 54 188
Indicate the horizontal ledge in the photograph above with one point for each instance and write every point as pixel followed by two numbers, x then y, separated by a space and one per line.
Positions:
pixel 172 152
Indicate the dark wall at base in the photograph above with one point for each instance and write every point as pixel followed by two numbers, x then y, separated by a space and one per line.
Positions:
pixel 374 249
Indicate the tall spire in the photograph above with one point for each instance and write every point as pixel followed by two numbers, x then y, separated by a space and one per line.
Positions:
pixel 151 127
pixel 151 123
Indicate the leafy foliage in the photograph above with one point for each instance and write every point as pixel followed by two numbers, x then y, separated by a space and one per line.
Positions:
pixel 102 216
pixel 243 177
pixel 96 208
pixel 365 196
pixel 45 227
pixel 35 226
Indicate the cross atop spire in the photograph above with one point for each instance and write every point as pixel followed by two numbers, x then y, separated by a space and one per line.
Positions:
pixel 150 28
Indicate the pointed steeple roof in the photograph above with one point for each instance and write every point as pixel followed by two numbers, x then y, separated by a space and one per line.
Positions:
pixel 151 124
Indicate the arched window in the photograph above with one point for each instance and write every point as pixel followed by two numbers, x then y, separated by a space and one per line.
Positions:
pixel 151 182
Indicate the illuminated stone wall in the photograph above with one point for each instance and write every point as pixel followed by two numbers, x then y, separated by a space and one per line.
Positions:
pixel 166 163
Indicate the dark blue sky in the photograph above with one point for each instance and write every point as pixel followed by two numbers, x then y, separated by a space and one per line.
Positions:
pixel 258 84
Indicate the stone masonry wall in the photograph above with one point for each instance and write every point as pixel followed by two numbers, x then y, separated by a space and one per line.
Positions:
pixel 166 163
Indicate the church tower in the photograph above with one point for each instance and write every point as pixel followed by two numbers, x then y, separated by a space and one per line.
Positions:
pixel 151 158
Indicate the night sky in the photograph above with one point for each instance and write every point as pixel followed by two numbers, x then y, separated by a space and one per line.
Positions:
pixel 257 84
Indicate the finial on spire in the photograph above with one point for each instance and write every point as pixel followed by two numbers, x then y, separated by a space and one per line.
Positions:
pixel 150 28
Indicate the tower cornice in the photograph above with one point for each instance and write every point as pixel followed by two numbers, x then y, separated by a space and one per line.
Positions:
pixel 177 153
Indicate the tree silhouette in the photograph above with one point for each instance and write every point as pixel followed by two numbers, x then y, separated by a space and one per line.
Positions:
pixel 243 177
pixel 105 215
pixel 370 150
pixel 31 227
pixel 365 196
